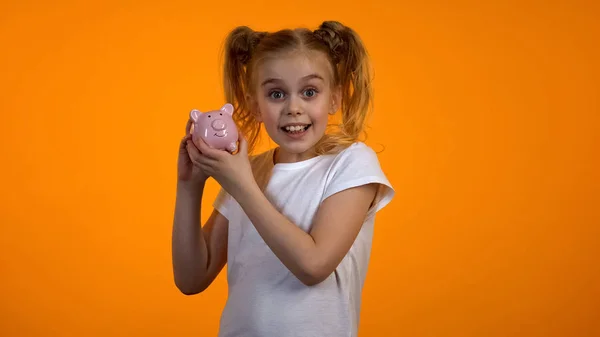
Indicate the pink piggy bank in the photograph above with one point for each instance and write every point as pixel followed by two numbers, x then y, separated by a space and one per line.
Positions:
pixel 216 128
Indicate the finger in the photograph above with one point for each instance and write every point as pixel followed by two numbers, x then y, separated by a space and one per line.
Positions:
pixel 205 164
pixel 188 126
pixel 206 169
pixel 209 151
pixel 183 143
pixel 197 157
pixel 192 149
pixel 206 160
pixel 243 144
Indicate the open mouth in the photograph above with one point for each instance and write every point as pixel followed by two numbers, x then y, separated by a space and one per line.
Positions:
pixel 297 128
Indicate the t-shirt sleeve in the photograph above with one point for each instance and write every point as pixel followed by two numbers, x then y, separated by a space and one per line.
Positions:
pixel 359 165
pixel 223 203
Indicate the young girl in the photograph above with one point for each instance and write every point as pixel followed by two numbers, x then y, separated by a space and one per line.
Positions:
pixel 294 224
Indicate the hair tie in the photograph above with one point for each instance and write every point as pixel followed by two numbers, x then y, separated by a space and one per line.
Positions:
pixel 334 40
pixel 252 40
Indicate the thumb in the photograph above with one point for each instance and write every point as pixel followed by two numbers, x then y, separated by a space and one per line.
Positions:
pixel 184 143
pixel 243 144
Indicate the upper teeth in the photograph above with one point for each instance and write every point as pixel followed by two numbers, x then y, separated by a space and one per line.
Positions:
pixel 294 128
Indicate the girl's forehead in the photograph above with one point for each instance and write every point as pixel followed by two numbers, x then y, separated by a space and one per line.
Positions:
pixel 294 66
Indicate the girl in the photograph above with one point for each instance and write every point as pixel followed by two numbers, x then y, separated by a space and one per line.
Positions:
pixel 294 224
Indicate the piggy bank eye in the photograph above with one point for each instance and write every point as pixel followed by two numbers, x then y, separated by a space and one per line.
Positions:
pixel 209 116
pixel 221 114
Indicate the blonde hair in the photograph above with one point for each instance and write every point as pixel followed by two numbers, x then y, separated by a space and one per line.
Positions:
pixel 245 48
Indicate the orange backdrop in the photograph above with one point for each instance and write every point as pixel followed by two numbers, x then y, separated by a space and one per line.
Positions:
pixel 489 117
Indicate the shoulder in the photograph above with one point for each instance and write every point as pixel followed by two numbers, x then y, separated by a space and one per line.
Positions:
pixel 358 149
pixel 356 156
pixel 355 166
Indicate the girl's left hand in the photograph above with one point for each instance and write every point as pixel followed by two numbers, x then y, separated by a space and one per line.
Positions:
pixel 232 171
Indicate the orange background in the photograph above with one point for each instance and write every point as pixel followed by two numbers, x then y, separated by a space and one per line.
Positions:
pixel 489 115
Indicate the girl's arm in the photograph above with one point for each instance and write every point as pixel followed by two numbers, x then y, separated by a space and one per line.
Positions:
pixel 199 253
pixel 312 256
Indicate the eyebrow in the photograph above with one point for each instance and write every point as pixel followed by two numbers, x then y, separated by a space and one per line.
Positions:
pixel 307 77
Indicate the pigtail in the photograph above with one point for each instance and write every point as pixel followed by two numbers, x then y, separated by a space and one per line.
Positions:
pixel 350 57
pixel 238 50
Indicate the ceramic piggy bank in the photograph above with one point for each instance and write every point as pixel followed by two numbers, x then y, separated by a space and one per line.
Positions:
pixel 216 128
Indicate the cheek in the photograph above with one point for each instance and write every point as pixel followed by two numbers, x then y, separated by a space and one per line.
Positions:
pixel 268 115
pixel 321 123
pixel 269 121
pixel 322 112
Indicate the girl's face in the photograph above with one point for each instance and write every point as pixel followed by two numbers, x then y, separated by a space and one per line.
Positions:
pixel 293 99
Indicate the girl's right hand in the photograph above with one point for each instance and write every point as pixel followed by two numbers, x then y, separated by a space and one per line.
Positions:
pixel 187 171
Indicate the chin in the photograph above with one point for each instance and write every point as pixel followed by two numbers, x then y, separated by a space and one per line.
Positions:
pixel 295 145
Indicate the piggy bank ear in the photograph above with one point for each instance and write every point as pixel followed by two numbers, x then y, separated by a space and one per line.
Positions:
pixel 195 114
pixel 227 108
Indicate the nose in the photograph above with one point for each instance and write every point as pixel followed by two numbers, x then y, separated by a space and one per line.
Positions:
pixel 218 125
pixel 294 108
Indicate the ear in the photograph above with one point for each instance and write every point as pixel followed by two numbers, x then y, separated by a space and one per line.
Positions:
pixel 195 114
pixel 228 109
pixel 336 100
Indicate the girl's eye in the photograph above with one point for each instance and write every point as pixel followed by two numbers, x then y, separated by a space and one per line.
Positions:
pixel 276 94
pixel 310 92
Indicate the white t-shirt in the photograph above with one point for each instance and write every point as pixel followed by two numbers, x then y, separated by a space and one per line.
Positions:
pixel 264 298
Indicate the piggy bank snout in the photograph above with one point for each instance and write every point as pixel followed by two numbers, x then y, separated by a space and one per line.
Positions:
pixel 218 124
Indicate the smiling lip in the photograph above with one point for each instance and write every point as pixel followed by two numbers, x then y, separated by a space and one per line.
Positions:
pixel 296 134
pixel 295 124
